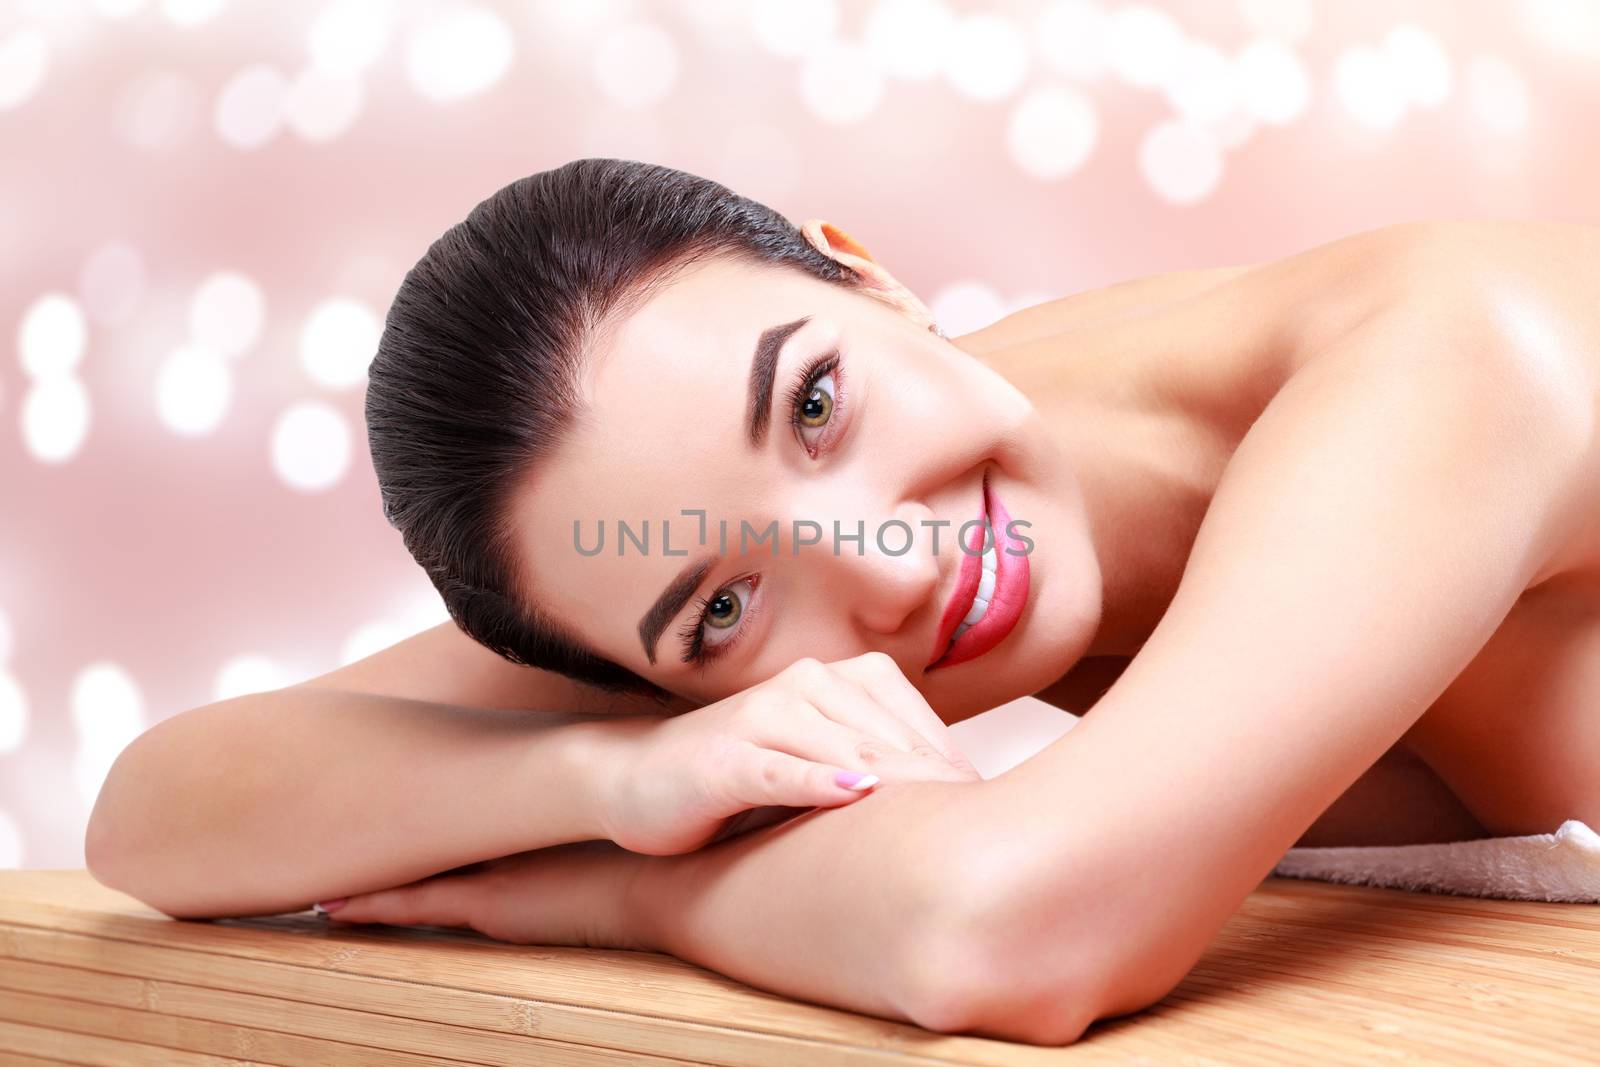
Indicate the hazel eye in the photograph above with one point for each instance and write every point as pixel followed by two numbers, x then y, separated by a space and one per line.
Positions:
pixel 723 611
pixel 817 408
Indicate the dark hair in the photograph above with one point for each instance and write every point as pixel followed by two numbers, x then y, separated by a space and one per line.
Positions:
pixel 476 375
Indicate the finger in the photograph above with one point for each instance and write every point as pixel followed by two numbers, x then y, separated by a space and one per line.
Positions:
pixel 881 676
pixel 573 894
pixel 757 777
pixel 576 894
pixel 846 701
pixel 808 733
pixel 435 901
pixel 755 818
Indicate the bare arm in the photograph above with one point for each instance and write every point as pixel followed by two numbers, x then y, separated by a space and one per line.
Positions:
pixel 265 803
pixel 1373 530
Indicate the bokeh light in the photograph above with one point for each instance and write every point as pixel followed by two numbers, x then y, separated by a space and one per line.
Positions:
pixel 310 446
pixel 1181 160
pixel 53 336
pixel 24 59
pixel 212 204
pixel 338 342
pixel 458 52
pixel 193 389
pixel 226 313
pixel 1052 132
pixel 55 419
pixel 107 713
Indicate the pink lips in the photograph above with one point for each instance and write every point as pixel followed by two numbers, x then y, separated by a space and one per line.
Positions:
pixel 1010 589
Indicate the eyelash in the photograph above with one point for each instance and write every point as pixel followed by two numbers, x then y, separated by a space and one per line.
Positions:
pixel 694 649
pixel 818 369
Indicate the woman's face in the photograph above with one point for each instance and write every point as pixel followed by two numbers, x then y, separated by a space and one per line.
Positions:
pixel 865 422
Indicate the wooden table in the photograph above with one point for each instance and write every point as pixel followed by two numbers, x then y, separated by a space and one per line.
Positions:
pixel 1305 971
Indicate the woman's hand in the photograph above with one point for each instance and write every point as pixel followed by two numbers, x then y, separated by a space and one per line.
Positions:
pixel 575 894
pixel 675 784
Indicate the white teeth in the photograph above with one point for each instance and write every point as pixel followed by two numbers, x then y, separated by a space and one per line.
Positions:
pixel 986 583
pixel 980 603
pixel 974 613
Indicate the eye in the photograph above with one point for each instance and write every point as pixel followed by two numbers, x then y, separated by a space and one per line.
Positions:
pixel 813 400
pixel 817 408
pixel 716 624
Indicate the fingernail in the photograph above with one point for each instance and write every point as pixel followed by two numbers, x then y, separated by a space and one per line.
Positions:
pixel 856 780
pixel 326 906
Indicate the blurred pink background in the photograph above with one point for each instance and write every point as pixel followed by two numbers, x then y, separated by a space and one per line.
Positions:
pixel 206 207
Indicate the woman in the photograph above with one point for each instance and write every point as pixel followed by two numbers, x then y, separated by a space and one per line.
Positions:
pixel 1338 516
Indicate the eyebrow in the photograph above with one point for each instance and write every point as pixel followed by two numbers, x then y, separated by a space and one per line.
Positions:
pixel 671 601
pixel 763 369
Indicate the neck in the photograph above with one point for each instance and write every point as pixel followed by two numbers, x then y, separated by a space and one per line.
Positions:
pixel 1146 406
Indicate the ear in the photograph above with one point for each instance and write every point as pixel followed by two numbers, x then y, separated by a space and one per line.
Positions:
pixel 833 242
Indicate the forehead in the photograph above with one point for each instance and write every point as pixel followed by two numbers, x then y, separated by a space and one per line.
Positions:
pixel 662 430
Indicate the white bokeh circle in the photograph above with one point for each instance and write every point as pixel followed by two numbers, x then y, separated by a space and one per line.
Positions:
pixel 1285 20
pixel 1567 27
pixel 1073 37
pixel 107 714
pixel 1419 64
pixel 157 110
pixel 348 36
pixel 1369 87
pixel 249 110
pixel 117 9
pixel 992 59
pixel 226 313
pixel 372 637
pixel 322 104
pixel 1142 43
pixel 1181 161
pixel 789 29
pixel 964 306
pixel 55 419
pixel 189 13
pixel 310 446
pixel 1201 84
pixel 338 342
pixel 910 39
pixel 52 337
pixel 1274 86
pixel 840 83
pixel 458 52
pixel 1052 132
pixel 248 673
pixel 13 713
pixel 24 60
pixel 193 389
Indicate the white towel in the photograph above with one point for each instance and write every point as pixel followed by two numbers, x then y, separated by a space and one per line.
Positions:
pixel 1562 866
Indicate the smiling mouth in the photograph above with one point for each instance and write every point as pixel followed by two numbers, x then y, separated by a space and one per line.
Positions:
pixel 985 593
pixel 991 588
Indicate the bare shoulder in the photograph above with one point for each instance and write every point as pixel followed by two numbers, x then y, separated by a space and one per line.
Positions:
pixel 443 665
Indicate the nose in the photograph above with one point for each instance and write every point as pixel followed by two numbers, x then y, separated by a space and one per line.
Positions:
pixel 884 579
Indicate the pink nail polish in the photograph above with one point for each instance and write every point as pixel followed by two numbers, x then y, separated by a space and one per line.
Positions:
pixel 856 780
pixel 326 906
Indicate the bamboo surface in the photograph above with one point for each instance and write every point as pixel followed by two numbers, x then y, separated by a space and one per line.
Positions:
pixel 1304 972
